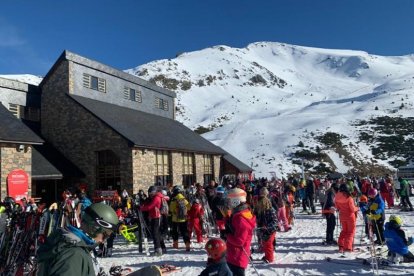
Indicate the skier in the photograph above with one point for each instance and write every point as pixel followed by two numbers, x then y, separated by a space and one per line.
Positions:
pixel 195 220
pixel 405 194
pixel 239 229
pixel 363 207
pixel 267 224
pixel 179 207
pixel 347 216
pixel 68 250
pixel 218 208
pixel 216 263
pixel 153 207
pixel 376 214
pixel 328 211
pixel 397 241
pixel 310 195
pixel 385 191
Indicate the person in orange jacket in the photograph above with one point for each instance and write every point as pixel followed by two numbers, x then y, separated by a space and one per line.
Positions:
pixel 195 220
pixel 344 203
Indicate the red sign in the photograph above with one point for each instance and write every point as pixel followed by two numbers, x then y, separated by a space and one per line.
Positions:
pixel 18 184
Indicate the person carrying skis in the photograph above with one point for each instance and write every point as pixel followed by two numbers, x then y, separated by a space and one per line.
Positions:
pixel 376 214
pixel 216 262
pixel 153 207
pixel 179 207
pixel 68 250
pixel 396 240
pixel 195 220
pixel 344 203
pixel 405 194
pixel 239 229
pixel 267 224
pixel 328 211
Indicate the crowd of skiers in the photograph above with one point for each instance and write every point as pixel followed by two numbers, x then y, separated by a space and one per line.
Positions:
pixel 236 211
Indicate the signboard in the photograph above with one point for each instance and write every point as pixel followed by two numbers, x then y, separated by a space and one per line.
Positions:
pixel 18 184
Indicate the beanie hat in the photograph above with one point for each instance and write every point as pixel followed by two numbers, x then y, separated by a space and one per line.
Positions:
pixel 372 193
pixel 236 196
pixel 220 190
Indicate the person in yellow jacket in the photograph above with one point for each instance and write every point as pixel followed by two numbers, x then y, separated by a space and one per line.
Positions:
pixel 179 207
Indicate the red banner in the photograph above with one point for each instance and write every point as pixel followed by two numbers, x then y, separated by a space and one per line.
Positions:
pixel 18 184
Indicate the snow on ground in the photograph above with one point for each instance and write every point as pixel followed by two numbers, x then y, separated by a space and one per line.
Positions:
pixel 298 252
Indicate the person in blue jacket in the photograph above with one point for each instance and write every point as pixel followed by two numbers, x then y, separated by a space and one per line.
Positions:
pixel 396 240
pixel 376 214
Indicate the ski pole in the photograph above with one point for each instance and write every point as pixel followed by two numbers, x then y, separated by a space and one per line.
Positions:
pixel 251 262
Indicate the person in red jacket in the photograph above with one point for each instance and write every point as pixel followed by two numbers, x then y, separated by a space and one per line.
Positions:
pixel 195 220
pixel 239 228
pixel 344 203
pixel 153 208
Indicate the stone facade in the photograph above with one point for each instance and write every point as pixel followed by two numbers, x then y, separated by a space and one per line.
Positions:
pixel 177 168
pixel 10 159
pixel 216 167
pixel 143 166
pixel 199 168
pixel 77 133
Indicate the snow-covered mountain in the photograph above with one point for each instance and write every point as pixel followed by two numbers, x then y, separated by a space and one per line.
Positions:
pixel 271 104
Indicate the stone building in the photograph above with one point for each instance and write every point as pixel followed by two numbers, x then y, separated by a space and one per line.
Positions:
pixel 107 129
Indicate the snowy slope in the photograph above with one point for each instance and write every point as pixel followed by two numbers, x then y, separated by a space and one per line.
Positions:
pixel 262 100
pixel 298 252
pixel 30 79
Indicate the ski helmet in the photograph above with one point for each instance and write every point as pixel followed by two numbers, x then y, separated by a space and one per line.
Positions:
pixel 220 190
pixel 152 190
pixel 99 218
pixel 216 249
pixel 372 193
pixel 344 188
pixel 363 198
pixel 177 190
pixel 236 196
pixel 396 220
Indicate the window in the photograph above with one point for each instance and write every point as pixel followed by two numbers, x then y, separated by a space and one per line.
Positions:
pixel 162 165
pixel 132 95
pixel 108 171
pixel 94 83
pixel 208 168
pixel 161 104
pixel 188 169
pixel 16 110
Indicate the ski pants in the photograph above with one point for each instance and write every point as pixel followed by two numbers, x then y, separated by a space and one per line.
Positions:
pixel 268 248
pixel 388 198
pixel 308 201
pixel 330 227
pixel 405 200
pixel 196 225
pixel 237 270
pixel 281 215
pixel 346 238
pixel 408 258
pixel 182 228
pixel 156 235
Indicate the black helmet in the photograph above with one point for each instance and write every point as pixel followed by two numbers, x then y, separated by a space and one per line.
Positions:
pixel 152 190
pixel 99 218
pixel 344 188
pixel 177 190
pixel 9 203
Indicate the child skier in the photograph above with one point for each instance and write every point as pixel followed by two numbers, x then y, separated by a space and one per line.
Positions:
pixel 216 262
pixel 363 206
pixel 396 240
pixel 195 220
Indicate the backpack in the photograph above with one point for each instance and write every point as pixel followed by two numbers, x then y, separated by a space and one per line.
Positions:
pixel 181 209
pixel 164 207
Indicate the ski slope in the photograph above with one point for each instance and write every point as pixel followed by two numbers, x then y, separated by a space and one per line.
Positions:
pixel 298 252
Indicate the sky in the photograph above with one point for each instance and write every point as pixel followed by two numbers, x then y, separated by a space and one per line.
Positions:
pixel 128 33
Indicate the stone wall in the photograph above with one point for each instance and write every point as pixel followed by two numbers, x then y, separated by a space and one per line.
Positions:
pixel 11 159
pixel 143 165
pixel 216 167
pixel 177 168
pixel 199 168
pixel 76 132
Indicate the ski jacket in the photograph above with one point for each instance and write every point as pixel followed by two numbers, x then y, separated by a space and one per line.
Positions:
pixel 377 208
pixel 329 205
pixel 196 211
pixel 153 207
pixel 174 207
pixel 217 269
pixel 395 239
pixel 310 187
pixel 218 203
pixel 366 185
pixel 404 188
pixel 242 223
pixel 345 205
pixel 66 254
pixel 267 222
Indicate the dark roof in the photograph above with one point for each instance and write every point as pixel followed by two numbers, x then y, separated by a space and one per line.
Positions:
pixel 13 130
pixel 67 55
pixel 237 163
pixel 147 130
pixel 49 163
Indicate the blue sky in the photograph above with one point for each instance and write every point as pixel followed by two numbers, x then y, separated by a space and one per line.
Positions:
pixel 127 33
